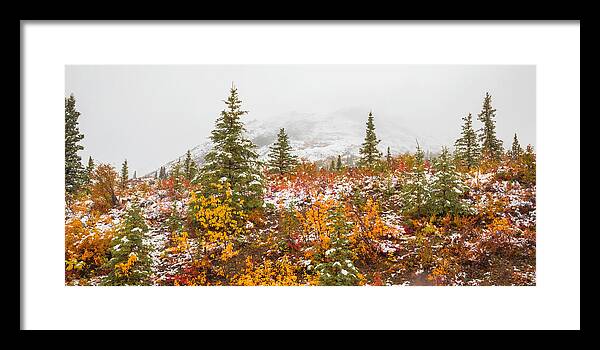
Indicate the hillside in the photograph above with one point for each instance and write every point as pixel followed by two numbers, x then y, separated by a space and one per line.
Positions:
pixel 321 137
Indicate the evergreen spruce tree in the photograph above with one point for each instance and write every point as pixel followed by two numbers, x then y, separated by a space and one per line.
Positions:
pixel 233 158
pixel 339 164
pixel 491 146
pixel 161 174
pixel 91 165
pixel 135 174
pixel 74 172
pixel 336 267
pixel 332 165
pixel 89 170
pixel 516 151
pixel 388 157
pixel 528 160
pixel 415 191
pixel 369 154
pixel 176 174
pixel 467 147
pixel 447 187
pixel 281 160
pixel 189 167
pixel 155 174
pixel 130 257
pixel 124 175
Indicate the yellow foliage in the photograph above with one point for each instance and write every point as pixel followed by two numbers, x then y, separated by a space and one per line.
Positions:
pixel 219 222
pixel 123 269
pixel 280 273
pixel 500 225
pixel 180 243
pixel 228 252
pixel 369 230
pixel 442 272
pixel 315 221
pixel 86 246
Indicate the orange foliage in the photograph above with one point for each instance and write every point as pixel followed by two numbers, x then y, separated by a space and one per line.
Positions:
pixel 368 230
pixel 86 247
pixel 316 226
pixel 279 273
pixel 104 184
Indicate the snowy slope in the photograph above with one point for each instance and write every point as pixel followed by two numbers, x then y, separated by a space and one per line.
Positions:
pixel 321 137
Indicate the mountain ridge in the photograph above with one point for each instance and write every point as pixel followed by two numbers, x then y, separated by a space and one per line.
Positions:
pixel 322 137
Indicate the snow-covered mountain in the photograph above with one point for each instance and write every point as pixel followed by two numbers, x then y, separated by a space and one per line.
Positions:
pixel 321 137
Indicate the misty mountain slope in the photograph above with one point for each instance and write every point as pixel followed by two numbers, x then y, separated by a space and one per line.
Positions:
pixel 321 137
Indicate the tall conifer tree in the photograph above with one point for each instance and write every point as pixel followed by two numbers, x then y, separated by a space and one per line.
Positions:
pixel 388 157
pixel 74 172
pixel 176 174
pixel 447 187
pixel 339 164
pixel 369 154
pixel 233 158
pixel 415 192
pixel 189 167
pixel 89 170
pixel 124 175
pixel 281 160
pixel 467 147
pixel 516 151
pixel 491 146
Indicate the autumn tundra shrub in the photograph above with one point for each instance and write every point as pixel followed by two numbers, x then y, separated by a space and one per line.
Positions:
pixel 86 247
pixel 521 169
pixel 220 228
pixel 316 228
pixel 281 272
pixel 368 231
pixel 104 187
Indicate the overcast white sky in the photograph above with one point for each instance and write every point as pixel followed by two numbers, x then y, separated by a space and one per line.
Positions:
pixel 152 114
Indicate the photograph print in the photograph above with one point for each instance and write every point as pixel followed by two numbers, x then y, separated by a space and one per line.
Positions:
pixel 300 175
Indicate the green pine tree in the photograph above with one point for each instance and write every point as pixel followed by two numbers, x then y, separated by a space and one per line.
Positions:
pixel 332 165
pixel 491 146
pixel 89 170
pixel 369 154
pixel 447 187
pixel 336 267
pixel 467 147
pixel 176 174
pixel 189 167
pixel 174 222
pixel 233 158
pixel 74 172
pixel 388 157
pixel 281 160
pixel 161 174
pixel 130 257
pixel 339 164
pixel 415 191
pixel 528 159
pixel 516 151
pixel 135 174
pixel 124 175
